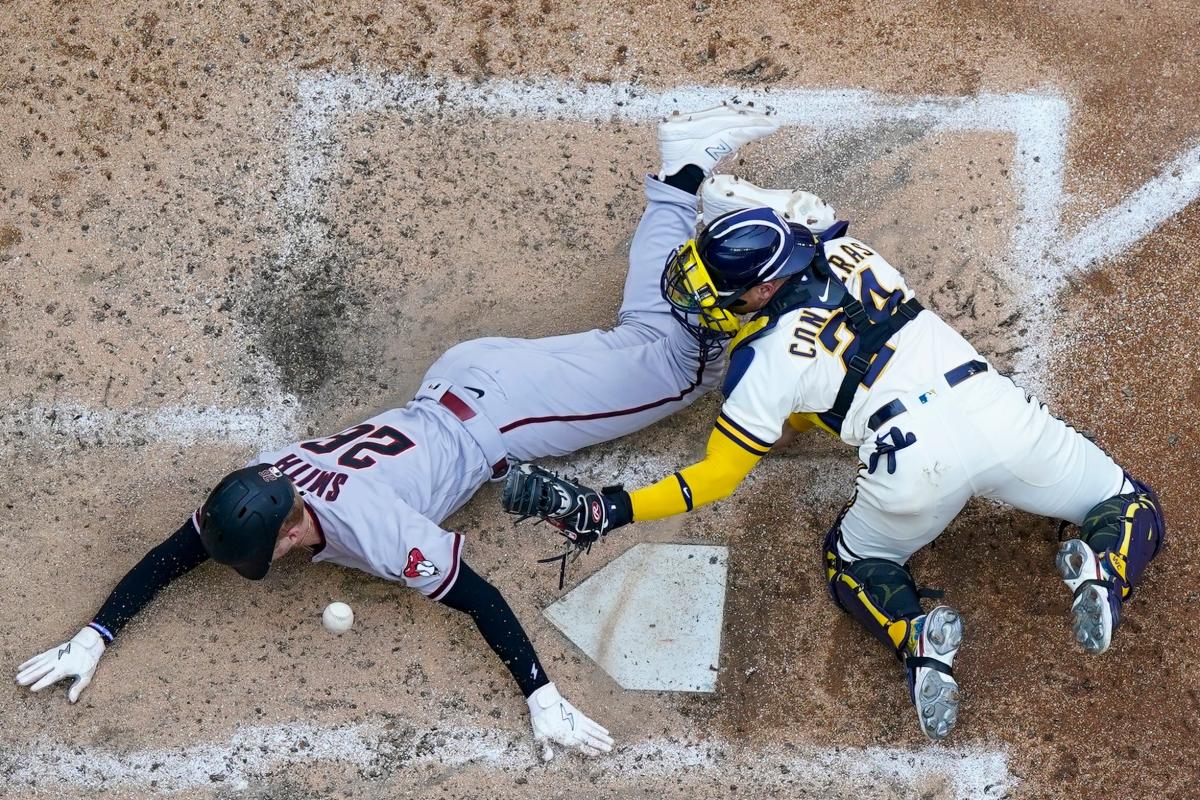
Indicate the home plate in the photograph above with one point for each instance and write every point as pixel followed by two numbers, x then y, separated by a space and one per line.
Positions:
pixel 652 617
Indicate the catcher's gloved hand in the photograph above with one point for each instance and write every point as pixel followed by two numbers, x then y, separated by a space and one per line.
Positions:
pixel 582 514
pixel 74 659
pixel 556 720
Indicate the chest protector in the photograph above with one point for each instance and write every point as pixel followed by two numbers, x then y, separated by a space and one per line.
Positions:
pixel 870 337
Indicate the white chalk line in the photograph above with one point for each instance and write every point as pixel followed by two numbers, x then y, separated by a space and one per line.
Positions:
pixel 67 425
pixel 1112 233
pixel 254 752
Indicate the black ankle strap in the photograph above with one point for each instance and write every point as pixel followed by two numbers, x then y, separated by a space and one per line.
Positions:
pixel 912 662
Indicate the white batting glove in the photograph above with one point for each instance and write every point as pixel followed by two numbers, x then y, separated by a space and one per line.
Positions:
pixel 556 720
pixel 74 659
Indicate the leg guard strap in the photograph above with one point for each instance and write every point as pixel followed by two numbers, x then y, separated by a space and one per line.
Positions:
pixel 912 662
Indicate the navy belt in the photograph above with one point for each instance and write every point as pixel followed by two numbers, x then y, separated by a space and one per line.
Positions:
pixel 954 377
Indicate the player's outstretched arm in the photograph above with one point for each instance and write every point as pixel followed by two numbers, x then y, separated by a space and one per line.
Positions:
pixel 553 718
pixel 78 658
pixel 583 514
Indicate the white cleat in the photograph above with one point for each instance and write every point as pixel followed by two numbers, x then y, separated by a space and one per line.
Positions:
pixel 705 137
pixel 1095 613
pixel 721 194
pixel 935 693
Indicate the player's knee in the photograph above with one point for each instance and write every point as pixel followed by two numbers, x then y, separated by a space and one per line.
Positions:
pixel 1130 528
pixel 880 594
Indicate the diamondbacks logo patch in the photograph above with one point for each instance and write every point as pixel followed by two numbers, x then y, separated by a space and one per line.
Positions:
pixel 419 566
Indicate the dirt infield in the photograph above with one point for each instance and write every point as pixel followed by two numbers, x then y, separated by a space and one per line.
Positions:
pixel 225 224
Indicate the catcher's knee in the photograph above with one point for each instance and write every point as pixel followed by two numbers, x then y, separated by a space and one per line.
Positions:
pixel 880 594
pixel 1127 530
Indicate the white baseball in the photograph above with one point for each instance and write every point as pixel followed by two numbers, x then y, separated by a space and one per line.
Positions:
pixel 337 617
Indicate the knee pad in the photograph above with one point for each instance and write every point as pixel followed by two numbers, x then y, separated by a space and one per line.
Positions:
pixel 880 594
pixel 1127 531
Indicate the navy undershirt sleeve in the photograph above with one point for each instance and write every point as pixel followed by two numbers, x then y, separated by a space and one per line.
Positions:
pixel 483 602
pixel 688 179
pixel 172 559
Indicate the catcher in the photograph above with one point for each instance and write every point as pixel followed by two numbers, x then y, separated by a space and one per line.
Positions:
pixel 373 496
pixel 836 340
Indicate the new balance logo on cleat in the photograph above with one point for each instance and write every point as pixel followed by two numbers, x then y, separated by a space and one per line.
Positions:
pixel 718 151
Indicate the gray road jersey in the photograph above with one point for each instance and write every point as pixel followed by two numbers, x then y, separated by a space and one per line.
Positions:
pixel 380 489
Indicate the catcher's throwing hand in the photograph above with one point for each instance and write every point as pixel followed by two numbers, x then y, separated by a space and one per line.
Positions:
pixel 74 659
pixel 556 720
pixel 582 514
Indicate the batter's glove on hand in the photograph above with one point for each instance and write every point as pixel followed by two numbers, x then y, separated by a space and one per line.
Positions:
pixel 74 659
pixel 583 515
pixel 556 720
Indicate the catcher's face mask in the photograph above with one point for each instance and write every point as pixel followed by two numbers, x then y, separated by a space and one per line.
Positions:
pixel 688 287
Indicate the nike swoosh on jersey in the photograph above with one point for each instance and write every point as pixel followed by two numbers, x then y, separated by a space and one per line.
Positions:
pixel 825 295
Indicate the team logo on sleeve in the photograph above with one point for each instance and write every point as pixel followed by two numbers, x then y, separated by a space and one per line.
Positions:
pixel 419 566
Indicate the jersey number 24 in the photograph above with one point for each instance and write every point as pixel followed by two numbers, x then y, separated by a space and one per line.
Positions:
pixel 837 338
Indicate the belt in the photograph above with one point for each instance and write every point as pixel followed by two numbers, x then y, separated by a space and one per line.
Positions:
pixel 889 411
pixel 459 408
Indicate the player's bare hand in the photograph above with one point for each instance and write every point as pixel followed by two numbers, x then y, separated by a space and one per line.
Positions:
pixel 74 659
pixel 556 720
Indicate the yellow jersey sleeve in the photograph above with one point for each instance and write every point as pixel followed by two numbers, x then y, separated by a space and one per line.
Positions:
pixel 730 456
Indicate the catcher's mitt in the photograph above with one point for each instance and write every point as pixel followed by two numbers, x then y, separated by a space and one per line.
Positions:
pixel 580 513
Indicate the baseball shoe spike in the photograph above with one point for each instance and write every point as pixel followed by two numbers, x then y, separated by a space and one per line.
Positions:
pixel 705 137
pixel 1096 606
pixel 935 693
pixel 721 194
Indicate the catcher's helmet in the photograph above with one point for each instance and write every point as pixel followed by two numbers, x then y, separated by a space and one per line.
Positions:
pixel 240 520
pixel 735 252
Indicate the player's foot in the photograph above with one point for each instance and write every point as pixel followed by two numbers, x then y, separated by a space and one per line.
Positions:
pixel 930 670
pixel 1097 604
pixel 705 137
pixel 721 194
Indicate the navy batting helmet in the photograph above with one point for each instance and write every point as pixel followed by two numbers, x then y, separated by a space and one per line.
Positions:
pixel 240 520
pixel 735 252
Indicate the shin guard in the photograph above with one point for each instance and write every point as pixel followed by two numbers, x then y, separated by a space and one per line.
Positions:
pixel 1126 532
pixel 880 594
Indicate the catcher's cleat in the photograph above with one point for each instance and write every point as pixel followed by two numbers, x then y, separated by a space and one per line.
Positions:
pixel 929 661
pixel 721 194
pixel 705 137
pixel 1097 604
pixel 1118 540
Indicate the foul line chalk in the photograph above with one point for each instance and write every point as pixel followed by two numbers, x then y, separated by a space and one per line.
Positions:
pixel 1116 230
pixel 253 752
pixel 67 425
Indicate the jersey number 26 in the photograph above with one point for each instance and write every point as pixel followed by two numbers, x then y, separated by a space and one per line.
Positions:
pixel 382 440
